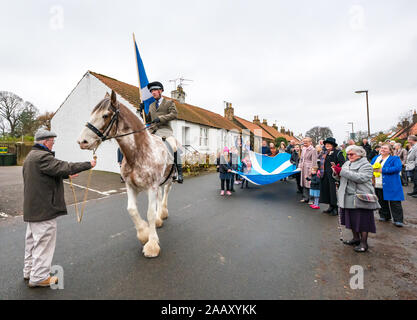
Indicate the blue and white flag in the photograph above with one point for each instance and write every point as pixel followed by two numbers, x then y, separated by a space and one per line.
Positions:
pixel 147 98
pixel 266 170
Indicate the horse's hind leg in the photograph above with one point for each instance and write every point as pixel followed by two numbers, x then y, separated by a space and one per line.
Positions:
pixel 164 206
pixel 142 228
pixel 151 248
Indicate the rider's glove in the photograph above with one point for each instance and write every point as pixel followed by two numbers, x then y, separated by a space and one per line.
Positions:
pixel 156 120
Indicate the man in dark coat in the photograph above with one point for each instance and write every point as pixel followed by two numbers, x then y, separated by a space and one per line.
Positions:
pixel 43 202
pixel 265 149
pixel 367 148
pixel 161 112
pixel 328 183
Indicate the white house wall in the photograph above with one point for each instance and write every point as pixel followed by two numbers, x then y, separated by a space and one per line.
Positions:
pixel 73 114
pixel 71 118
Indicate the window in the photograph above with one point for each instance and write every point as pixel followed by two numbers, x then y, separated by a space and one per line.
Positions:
pixel 186 136
pixel 203 137
pixel 223 141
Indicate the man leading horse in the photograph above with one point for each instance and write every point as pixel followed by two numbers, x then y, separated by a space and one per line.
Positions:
pixel 161 112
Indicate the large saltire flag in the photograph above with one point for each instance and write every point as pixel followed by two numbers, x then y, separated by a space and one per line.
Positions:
pixel 147 98
pixel 266 170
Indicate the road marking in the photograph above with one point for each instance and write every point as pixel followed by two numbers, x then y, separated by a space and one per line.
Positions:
pixel 82 187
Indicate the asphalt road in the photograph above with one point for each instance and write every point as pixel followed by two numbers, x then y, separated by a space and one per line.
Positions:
pixel 259 243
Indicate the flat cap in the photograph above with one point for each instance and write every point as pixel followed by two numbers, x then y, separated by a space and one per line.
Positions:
pixel 43 134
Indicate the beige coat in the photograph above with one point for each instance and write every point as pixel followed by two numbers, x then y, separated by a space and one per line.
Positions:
pixel 308 159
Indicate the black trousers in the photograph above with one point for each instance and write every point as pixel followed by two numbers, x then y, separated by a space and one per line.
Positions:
pixel 389 209
pixel 298 180
pixel 227 184
pixel 414 178
pixel 243 183
pixel 232 181
pixel 404 179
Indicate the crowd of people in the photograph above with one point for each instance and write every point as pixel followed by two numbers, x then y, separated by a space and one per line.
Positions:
pixel 353 180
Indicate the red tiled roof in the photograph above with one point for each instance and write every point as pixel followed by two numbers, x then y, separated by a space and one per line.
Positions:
pixel 186 111
pixel 252 127
pixel 407 131
pixel 276 134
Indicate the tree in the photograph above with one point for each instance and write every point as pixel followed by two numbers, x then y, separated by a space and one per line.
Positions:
pixel 2 127
pixel 11 107
pixel 44 120
pixel 28 123
pixel 360 135
pixel 279 140
pixel 319 133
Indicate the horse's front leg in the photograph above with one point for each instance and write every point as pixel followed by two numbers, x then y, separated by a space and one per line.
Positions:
pixel 151 248
pixel 142 228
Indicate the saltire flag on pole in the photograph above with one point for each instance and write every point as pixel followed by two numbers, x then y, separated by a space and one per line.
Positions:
pixel 147 98
pixel 266 170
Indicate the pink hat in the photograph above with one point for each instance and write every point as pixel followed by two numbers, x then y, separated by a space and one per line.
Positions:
pixel 226 149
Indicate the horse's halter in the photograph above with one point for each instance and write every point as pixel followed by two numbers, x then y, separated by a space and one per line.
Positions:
pixel 105 134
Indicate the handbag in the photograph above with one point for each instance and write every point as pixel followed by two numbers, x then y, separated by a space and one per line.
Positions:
pixel 366 201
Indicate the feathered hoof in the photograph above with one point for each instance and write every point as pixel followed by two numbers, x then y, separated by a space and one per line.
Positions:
pixel 151 249
pixel 159 223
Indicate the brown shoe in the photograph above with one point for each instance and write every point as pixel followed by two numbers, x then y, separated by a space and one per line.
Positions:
pixel 45 283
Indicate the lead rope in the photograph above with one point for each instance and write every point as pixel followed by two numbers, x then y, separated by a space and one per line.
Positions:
pixel 80 216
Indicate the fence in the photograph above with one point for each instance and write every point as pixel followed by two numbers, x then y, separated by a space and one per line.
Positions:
pixel 20 149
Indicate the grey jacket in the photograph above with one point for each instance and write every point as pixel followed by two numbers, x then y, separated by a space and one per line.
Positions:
pixel 411 158
pixel 43 186
pixel 355 178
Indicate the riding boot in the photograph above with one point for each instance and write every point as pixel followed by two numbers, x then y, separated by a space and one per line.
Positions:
pixel 179 168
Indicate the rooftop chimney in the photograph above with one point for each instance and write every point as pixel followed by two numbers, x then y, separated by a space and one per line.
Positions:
pixel 406 123
pixel 275 126
pixel 264 122
pixel 415 117
pixel 229 112
pixel 178 94
pixel 282 130
pixel 256 120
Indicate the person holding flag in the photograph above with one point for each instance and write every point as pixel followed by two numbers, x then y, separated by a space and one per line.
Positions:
pixel 161 112
pixel 158 111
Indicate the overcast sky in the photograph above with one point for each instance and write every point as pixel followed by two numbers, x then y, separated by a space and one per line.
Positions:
pixel 294 62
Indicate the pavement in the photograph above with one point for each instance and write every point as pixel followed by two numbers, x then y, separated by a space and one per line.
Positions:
pixel 259 243
pixel 102 184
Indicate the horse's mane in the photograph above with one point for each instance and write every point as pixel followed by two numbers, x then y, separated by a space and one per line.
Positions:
pixel 130 120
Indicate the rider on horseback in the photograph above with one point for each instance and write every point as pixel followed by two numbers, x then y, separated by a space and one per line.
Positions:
pixel 161 112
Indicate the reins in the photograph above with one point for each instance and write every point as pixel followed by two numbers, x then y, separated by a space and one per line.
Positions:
pixel 80 216
pixel 114 119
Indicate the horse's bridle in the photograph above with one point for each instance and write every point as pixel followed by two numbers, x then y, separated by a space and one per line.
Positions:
pixel 104 135
pixel 114 119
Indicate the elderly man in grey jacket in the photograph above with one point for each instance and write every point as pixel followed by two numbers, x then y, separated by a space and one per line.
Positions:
pixel 43 202
pixel 411 163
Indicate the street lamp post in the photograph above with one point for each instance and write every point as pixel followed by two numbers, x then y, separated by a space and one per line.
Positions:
pixel 353 132
pixel 367 109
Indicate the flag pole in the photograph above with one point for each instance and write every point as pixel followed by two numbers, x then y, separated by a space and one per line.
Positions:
pixel 137 69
